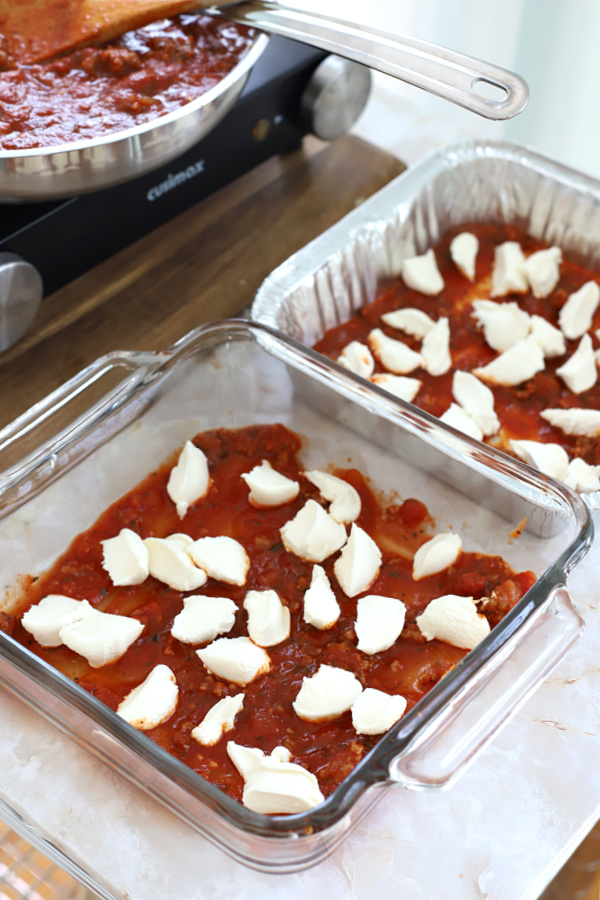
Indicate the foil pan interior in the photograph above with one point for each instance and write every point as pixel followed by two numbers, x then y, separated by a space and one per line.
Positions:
pixel 505 183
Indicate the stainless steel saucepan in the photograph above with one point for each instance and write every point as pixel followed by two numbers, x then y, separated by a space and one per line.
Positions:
pixel 66 170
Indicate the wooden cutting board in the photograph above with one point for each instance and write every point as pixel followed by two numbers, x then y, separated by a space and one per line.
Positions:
pixel 203 265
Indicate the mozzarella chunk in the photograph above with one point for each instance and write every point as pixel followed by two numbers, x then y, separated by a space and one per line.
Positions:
pixel 222 558
pixel 273 784
pixel 581 476
pixel 579 372
pixel 46 619
pixel 379 622
pixel 327 694
pixel 508 273
pixel 399 385
pixel 412 321
pixel 551 459
pixel 219 719
pixel 550 339
pixel 374 712
pixel 542 270
pixel 421 273
pixel 101 637
pixel 504 324
pixel 574 421
pixel 268 487
pixel 518 364
pixel 463 250
pixel 345 500
pixel 169 560
pixel 454 620
pixel 203 618
pixel 151 702
pixel 395 356
pixel 460 419
pixel 313 534
pixel 477 400
pixel 268 618
pixel 575 317
pixel 436 555
pixel 321 608
pixel 357 358
pixel 237 660
pixel 358 564
pixel 125 558
pixel 435 348
pixel 189 479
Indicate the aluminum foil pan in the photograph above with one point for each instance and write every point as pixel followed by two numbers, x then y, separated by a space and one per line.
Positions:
pixel 501 182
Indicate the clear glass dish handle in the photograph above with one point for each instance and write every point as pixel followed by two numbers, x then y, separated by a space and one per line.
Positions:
pixel 463 728
pixel 454 76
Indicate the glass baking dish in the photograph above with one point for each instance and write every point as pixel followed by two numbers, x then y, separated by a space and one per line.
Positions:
pixel 236 373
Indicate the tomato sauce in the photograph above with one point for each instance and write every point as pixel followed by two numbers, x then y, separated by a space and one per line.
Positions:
pixel 330 750
pixel 517 407
pixel 96 91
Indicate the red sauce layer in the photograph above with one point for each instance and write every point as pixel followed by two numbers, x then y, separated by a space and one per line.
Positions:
pixel 100 90
pixel 330 750
pixel 517 407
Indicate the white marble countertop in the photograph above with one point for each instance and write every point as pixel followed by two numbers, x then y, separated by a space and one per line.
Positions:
pixel 500 833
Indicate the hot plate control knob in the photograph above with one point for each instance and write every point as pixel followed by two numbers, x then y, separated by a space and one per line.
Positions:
pixel 334 97
pixel 21 291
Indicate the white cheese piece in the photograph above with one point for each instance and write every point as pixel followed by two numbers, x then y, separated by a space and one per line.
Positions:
pixel 327 694
pixel 463 250
pixel 551 459
pixel 374 712
pixel 222 558
pixel 477 400
pixel 189 479
pixel 273 784
pixel 542 270
pixel 435 348
pixel 151 702
pixel 574 421
pixel 313 534
pixel 357 566
pixel 504 324
pixel 45 620
pixel 399 385
pixel 518 364
pixel 460 419
pixel 379 622
pixel 345 500
pixel 268 618
pixel 454 620
pixel 125 558
pixel 410 320
pixel 393 355
pixel 268 487
pixel 436 555
pixel 321 608
pixel 581 476
pixel 357 358
pixel 508 273
pixel 421 273
pixel 101 637
pixel 203 618
pixel 219 719
pixel 550 339
pixel 575 317
pixel 580 372
pixel 169 560
pixel 238 660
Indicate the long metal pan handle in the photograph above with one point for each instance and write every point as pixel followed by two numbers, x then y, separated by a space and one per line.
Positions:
pixel 454 76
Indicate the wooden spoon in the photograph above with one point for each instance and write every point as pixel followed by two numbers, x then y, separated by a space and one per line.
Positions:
pixel 35 30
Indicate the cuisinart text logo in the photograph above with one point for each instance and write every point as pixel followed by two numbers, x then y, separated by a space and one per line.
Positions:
pixel 173 181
